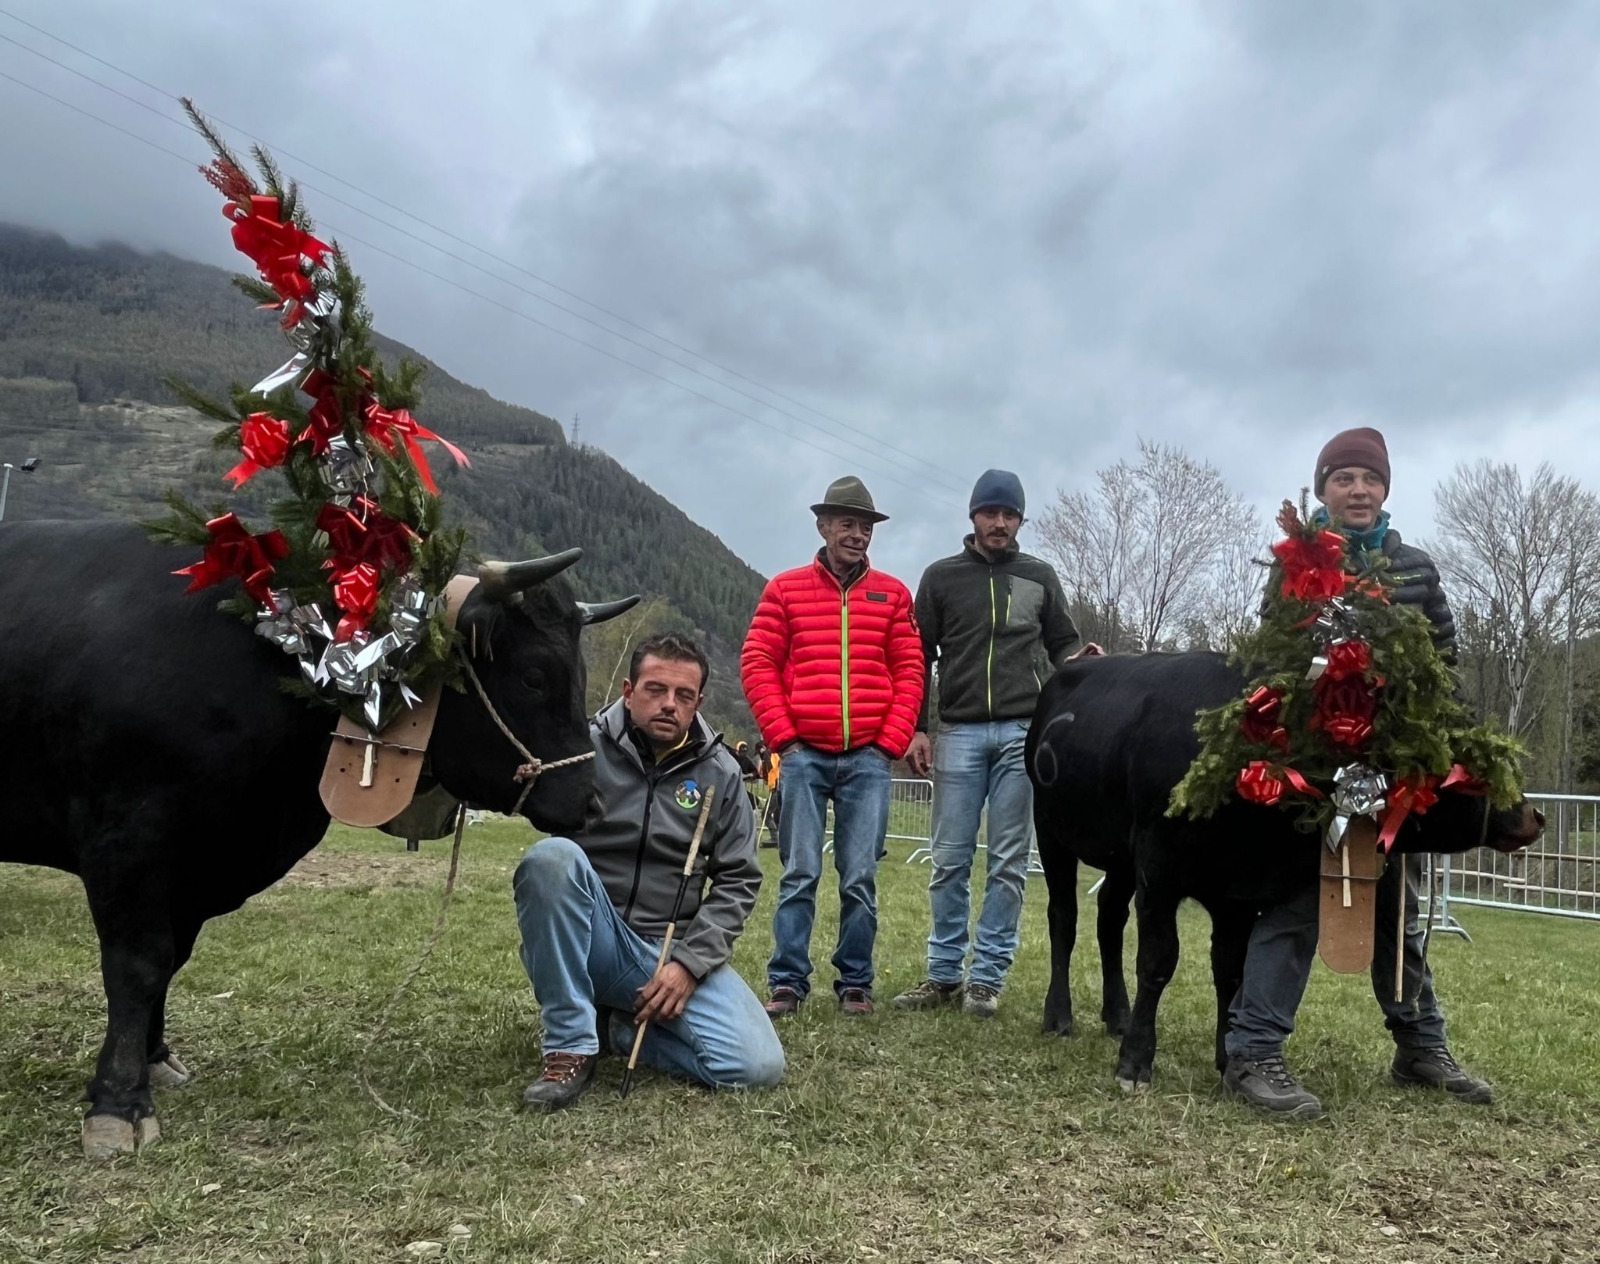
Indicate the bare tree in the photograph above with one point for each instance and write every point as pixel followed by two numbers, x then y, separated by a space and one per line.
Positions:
pixel 1139 556
pixel 1524 558
pixel 1229 608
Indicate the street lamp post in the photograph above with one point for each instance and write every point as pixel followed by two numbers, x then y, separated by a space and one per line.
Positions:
pixel 27 467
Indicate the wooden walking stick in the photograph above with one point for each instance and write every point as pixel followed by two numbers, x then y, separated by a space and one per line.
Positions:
pixel 672 926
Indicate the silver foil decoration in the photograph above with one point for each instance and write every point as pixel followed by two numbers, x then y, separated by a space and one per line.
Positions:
pixel 1319 664
pixel 290 627
pixel 1336 622
pixel 1359 789
pixel 409 610
pixel 345 469
pixel 321 325
pixel 339 667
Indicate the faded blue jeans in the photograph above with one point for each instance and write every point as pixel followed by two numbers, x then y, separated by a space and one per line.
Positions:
pixel 973 763
pixel 858 783
pixel 1278 966
pixel 579 953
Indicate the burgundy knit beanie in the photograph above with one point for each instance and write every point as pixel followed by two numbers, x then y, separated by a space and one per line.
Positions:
pixel 1362 447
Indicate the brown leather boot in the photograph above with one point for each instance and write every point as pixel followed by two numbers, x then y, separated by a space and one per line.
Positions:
pixel 565 1076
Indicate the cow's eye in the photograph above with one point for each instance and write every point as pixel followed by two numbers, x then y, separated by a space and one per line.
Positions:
pixel 533 681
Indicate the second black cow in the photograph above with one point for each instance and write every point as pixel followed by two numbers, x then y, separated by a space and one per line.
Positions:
pixel 1110 739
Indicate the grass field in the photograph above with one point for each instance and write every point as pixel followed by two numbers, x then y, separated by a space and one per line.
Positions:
pixel 899 1138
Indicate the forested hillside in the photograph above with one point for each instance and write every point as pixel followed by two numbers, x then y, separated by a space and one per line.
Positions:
pixel 87 335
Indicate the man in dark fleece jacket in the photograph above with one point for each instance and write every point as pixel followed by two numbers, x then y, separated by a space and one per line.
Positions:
pixel 1352 482
pixel 995 623
pixel 593 910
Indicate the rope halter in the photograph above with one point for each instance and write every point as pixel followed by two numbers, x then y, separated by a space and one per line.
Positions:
pixel 532 767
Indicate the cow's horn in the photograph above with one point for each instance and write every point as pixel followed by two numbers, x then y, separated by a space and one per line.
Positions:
pixel 600 611
pixel 501 579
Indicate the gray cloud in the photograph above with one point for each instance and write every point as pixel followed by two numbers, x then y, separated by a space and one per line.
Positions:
pixel 1016 235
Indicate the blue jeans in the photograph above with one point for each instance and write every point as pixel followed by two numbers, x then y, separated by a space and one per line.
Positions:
pixel 579 953
pixel 1278 965
pixel 974 763
pixel 858 783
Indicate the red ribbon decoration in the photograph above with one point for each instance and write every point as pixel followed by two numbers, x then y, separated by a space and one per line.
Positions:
pixel 364 533
pixel 234 551
pixel 1463 782
pixel 355 591
pixel 1260 720
pixel 1410 795
pixel 1263 783
pixel 1256 784
pixel 391 428
pixel 326 417
pixel 1313 566
pixel 276 249
pixel 1346 659
pixel 264 440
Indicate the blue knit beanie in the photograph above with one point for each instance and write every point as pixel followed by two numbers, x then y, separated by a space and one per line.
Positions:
pixel 998 489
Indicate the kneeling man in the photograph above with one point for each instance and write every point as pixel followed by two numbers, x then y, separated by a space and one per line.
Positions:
pixel 593 910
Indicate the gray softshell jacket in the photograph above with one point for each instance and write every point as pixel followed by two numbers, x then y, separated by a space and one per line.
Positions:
pixel 639 847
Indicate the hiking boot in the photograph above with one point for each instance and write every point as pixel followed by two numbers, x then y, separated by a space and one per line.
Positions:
pixel 980 1000
pixel 565 1076
pixel 929 994
pixel 1266 1084
pixel 855 1002
pixel 1435 1068
pixel 783 1002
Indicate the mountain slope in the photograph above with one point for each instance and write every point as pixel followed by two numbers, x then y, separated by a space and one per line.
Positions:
pixel 86 336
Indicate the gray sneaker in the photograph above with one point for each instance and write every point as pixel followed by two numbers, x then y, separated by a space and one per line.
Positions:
pixel 929 994
pixel 1266 1084
pixel 1435 1068
pixel 980 1000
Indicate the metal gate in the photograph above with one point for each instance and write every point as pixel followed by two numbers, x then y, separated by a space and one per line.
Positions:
pixel 1559 874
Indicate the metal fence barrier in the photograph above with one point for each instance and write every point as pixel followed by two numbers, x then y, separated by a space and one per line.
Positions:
pixel 1559 874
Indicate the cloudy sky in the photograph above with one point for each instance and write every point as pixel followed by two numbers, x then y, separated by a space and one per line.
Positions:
pixel 947 236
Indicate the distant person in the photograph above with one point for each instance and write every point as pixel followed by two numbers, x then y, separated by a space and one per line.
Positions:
pixel 593 909
pixel 994 620
pixel 832 667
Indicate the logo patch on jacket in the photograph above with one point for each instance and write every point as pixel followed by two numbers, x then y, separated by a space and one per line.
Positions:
pixel 872 596
pixel 687 794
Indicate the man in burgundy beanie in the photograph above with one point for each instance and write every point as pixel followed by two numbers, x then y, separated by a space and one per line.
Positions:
pixel 1352 482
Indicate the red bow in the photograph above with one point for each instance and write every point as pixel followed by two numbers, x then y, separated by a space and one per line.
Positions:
pixel 1410 795
pixel 234 551
pixel 326 417
pixel 1348 658
pixel 364 533
pixel 264 440
pixel 1260 720
pixel 276 249
pixel 355 591
pixel 391 428
pixel 1263 783
pixel 1313 566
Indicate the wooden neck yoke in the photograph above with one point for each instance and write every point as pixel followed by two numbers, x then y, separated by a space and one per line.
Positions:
pixel 1349 898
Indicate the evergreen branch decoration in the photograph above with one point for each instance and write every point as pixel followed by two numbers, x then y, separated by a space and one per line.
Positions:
pixel 1349 709
pixel 350 578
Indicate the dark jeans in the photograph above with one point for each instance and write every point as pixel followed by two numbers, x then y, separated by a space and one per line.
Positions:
pixel 1279 963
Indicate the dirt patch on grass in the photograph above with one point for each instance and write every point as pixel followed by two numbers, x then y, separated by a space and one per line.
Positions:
pixel 338 870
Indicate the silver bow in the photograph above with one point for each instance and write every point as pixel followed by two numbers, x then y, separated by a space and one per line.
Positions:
pixel 345 469
pixel 291 627
pixel 409 610
pixel 322 325
pixel 1358 790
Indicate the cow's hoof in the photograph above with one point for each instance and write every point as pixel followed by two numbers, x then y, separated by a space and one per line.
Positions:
pixel 1057 1026
pixel 1132 1087
pixel 169 1074
pixel 1117 1027
pixel 107 1136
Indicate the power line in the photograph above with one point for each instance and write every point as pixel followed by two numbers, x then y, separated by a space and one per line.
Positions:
pixel 611 355
pixel 946 475
pixel 448 254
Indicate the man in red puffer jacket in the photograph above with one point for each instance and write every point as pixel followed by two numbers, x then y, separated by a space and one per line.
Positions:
pixel 833 670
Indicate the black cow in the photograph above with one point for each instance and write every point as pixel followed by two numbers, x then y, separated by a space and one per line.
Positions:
pixel 1110 739
pixel 146 746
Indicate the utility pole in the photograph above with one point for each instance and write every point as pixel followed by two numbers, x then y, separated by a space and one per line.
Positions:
pixel 577 426
pixel 27 467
